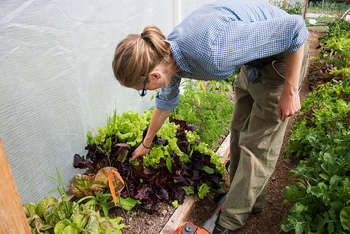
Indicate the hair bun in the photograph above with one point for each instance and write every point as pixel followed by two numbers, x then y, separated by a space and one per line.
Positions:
pixel 155 38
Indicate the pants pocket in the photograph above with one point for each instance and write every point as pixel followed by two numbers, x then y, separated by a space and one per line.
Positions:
pixel 279 68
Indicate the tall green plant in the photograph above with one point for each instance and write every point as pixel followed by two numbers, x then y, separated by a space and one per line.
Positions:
pixel 209 109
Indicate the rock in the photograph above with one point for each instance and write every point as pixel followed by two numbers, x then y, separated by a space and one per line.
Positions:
pixel 164 212
pixel 149 222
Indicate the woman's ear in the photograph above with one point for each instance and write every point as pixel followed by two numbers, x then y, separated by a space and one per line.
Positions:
pixel 155 74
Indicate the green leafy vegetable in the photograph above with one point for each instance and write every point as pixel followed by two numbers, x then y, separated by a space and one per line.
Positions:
pixel 175 203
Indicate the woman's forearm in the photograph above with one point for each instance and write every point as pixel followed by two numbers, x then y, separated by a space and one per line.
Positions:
pixel 158 118
pixel 294 64
pixel 289 103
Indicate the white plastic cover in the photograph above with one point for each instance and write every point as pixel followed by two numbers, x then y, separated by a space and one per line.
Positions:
pixel 56 79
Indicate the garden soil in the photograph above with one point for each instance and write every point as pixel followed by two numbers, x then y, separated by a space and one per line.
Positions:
pixel 268 221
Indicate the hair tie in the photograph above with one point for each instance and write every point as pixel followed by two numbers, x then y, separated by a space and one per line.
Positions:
pixel 149 42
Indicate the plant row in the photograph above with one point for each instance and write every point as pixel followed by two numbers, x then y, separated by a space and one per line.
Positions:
pixel 320 197
pixel 178 164
pixel 333 61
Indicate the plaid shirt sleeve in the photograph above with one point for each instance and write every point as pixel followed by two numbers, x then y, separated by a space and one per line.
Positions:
pixel 168 96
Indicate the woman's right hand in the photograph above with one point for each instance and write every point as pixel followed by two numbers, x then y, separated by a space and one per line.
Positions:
pixel 158 118
pixel 139 151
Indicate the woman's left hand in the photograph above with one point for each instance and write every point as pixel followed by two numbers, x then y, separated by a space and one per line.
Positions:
pixel 289 104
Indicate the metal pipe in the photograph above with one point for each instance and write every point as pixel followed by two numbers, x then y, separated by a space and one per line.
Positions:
pixel 177 17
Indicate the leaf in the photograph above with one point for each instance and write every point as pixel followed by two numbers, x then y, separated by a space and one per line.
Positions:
pixel 203 191
pixel 128 203
pixel 330 228
pixel 188 190
pixel 299 208
pixel 169 164
pixel 345 218
pixel 60 226
pixel 108 145
pixel 92 225
pixel 335 179
pixel 142 193
pixel 197 99
pixel 90 138
pixel 175 203
pixel 291 192
pixel 208 170
pixel 104 209
pixel 80 162
pixel 324 176
pixel 299 228
pixel 122 151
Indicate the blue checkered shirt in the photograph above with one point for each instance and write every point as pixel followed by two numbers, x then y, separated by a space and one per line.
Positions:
pixel 218 38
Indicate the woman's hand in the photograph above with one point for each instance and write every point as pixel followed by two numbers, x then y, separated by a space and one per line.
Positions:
pixel 158 118
pixel 139 151
pixel 289 104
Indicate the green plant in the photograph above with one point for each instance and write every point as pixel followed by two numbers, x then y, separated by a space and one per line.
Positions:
pixel 127 127
pixel 102 200
pixel 64 208
pixel 295 8
pixel 321 137
pixel 209 109
pixel 328 6
pixel 177 158
pixel 61 216
pixel 60 188
pixel 333 60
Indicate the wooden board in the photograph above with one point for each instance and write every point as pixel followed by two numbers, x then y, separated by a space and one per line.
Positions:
pixel 12 217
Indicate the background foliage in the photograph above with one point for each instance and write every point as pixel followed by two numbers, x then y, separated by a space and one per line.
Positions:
pixel 320 197
pixel 208 108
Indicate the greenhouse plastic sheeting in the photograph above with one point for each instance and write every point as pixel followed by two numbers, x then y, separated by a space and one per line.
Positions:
pixel 56 80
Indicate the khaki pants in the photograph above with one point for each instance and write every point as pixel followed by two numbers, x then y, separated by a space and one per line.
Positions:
pixel 256 139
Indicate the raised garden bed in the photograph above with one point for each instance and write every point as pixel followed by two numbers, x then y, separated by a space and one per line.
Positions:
pixel 106 150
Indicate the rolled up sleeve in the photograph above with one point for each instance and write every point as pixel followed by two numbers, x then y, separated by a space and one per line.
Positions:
pixel 168 96
pixel 300 35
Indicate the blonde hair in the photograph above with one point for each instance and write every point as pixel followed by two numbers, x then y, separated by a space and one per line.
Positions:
pixel 137 55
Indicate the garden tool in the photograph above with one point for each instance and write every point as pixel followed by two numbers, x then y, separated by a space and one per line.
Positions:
pixel 208 226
